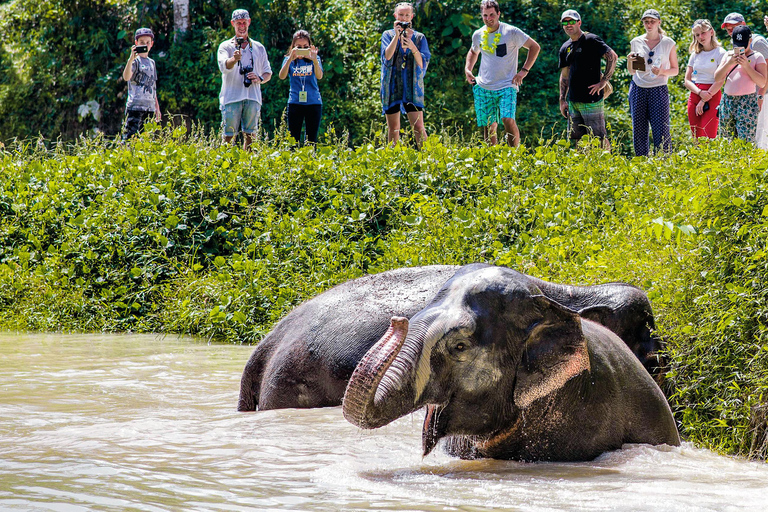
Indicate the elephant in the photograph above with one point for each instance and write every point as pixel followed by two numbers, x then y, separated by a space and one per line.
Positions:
pixel 505 371
pixel 308 358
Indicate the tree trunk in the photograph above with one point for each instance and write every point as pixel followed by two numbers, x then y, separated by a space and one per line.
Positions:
pixel 180 18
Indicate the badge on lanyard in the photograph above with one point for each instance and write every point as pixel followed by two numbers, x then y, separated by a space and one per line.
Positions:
pixel 302 96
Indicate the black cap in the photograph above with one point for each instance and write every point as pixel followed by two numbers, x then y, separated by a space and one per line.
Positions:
pixel 741 35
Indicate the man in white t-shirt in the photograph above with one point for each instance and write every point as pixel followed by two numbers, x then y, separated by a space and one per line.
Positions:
pixel 759 43
pixel 496 85
pixel 244 67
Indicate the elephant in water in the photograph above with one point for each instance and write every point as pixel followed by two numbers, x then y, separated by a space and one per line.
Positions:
pixel 507 372
pixel 308 358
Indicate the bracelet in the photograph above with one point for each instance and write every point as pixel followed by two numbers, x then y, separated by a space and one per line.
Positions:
pixel 525 69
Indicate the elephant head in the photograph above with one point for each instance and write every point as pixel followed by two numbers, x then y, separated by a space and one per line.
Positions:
pixel 488 346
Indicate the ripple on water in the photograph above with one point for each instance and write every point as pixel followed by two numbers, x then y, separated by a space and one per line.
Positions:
pixel 147 423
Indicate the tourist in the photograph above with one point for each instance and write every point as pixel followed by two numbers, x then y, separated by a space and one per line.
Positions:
pixel 141 74
pixel 404 60
pixel 652 60
pixel 744 72
pixel 582 83
pixel 244 67
pixel 497 83
pixel 703 102
pixel 305 105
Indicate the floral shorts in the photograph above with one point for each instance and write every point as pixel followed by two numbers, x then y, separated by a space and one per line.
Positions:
pixel 491 106
pixel 738 116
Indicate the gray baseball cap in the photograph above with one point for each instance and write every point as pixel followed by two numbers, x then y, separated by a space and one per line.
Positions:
pixel 144 32
pixel 651 13
pixel 570 13
pixel 732 19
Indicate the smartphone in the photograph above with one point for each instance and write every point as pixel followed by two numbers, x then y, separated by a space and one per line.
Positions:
pixel 739 51
pixel 142 49
pixel 302 52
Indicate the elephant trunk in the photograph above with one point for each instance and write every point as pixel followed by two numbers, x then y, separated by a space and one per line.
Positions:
pixel 379 390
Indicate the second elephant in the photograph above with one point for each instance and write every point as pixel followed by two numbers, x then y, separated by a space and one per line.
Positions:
pixel 308 358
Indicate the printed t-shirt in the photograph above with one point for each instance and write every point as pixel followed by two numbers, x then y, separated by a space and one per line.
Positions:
pixel 303 78
pixel 705 64
pixel 141 86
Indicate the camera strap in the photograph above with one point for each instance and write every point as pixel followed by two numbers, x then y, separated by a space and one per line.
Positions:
pixel 250 50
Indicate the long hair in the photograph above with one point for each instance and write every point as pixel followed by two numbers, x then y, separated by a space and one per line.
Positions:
pixel 704 25
pixel 299 34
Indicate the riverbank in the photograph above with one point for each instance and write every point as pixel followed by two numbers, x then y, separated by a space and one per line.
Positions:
pixel 193 238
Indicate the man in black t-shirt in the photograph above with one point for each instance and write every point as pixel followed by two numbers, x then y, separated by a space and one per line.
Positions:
pixel 582 83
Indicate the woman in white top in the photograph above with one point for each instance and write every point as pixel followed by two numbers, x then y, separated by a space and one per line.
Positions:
pixel 648 93
pixel 744 71
pixel 706 54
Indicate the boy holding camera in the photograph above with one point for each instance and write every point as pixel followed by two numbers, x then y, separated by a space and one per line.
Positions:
pixel 141 74
pixel 404 60
pixel 244 67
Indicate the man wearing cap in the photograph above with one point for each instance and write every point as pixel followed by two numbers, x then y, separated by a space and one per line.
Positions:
pixel 496 85
pixel 759 43
pixel 141 74
pixel 743 70
pixel 582 83
pixel 244 67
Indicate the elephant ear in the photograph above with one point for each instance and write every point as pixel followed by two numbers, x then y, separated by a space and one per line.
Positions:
pixel 554 352
pixel 599 314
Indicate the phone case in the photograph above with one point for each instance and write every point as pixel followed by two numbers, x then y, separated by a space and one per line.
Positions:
pixel 638 63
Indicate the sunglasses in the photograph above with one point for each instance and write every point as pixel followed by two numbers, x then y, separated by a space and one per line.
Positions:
pixel 569 22
pixel 650 54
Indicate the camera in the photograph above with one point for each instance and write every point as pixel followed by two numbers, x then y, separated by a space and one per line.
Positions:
pixel 244 71
pixel 404 25
pixel 142 49
pixel 240 41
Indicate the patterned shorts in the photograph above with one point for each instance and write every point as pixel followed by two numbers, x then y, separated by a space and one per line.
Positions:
pixel 492 106
pixel 738 116
pixel 587 118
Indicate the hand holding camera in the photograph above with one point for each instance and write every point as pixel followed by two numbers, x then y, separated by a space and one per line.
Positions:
pixel 401 28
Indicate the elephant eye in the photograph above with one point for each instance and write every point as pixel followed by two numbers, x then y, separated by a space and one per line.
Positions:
pixel 460 347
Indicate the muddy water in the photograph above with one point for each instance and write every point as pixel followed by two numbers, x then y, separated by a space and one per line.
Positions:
pixel 146 423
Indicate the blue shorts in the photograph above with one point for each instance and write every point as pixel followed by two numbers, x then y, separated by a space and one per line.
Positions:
pixel 492 106
pixel 240 114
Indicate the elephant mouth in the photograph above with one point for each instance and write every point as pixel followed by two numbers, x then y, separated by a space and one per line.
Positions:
pixel 434 428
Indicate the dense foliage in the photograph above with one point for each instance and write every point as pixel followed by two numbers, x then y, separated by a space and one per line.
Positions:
pixel 189 237
pixel 61 60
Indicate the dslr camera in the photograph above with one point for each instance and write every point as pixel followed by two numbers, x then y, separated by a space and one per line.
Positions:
pixel 244 70
pixel 240 41
pixel 404 25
